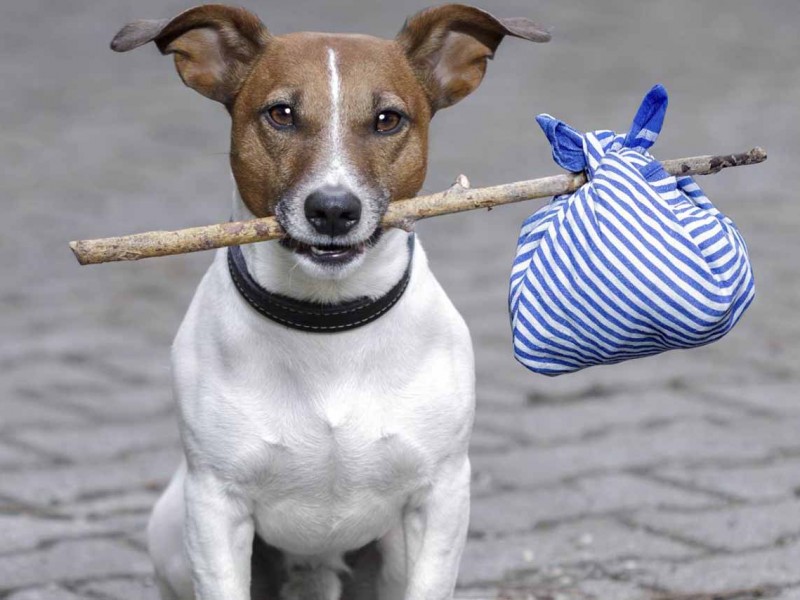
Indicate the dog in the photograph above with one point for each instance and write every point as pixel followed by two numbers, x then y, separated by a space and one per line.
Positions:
pixel 325 382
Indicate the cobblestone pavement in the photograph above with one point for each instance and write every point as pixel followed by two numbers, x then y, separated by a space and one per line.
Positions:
pixel 676 477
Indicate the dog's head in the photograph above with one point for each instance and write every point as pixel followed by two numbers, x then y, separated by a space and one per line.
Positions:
pixel 328 129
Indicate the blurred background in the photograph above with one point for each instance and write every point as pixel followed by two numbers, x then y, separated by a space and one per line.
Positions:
pixel 671 477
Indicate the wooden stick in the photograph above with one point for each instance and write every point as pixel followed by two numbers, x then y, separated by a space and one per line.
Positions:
pixel 402 213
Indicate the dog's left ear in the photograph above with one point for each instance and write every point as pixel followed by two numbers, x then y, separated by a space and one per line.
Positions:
pixel 448 47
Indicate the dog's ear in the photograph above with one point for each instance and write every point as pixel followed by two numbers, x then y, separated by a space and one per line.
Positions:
pixel 214 46
pixel 448 47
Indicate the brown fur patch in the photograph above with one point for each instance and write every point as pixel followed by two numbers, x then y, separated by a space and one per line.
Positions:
pixel 214 46
pixel 448 47
pixel 266 162
pixel 227 54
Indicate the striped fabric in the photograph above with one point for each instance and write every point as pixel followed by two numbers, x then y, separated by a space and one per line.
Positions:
pixel 634 263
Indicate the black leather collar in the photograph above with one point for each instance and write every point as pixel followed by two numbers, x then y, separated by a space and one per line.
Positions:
pixel 314 316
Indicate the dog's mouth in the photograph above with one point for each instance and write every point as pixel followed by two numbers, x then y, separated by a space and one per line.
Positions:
pixel 330 254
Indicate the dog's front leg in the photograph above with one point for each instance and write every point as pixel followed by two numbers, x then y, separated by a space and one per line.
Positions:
pixel 218 537
pixel 436 531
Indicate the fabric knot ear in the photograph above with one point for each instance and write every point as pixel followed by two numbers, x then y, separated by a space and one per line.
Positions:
pixel 566 142
pixel 648 120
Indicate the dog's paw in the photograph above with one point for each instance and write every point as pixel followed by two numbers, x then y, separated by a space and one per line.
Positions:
pixel 311 583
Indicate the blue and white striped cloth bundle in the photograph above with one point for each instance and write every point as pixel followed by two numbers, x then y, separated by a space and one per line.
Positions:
pixel 634 263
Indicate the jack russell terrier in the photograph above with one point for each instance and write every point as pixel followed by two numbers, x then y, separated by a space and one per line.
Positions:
pixel 325 383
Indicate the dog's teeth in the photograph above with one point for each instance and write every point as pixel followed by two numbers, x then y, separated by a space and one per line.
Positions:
pixel 329 253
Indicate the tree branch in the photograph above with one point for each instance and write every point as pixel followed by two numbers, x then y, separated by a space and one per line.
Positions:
pixel 402 213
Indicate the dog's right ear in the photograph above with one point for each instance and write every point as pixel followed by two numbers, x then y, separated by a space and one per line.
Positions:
pixel 448 47
pixel 214 46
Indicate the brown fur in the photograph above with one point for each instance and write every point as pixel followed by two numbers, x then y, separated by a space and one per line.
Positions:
pixel 448 47
pixel 267 161
pixel 225 53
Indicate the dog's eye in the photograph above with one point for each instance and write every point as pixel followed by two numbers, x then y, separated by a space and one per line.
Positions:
pixel 280 116
pixel 388 121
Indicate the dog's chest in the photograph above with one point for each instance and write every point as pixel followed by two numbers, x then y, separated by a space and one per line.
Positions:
pixel 328 451
pixel 328 437
pixel 336 470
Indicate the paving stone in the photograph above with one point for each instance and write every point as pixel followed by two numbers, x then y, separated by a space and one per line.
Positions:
pixel 120 402
pixel 777 480
pixel 680 370
pixel 100 352
pixel 90 389
pixel 777 398
pixel 731 528
pixel 613 590
pixel 765 571
pixel 132 364
pixel 97 401
pixel 490 395
pixel 562 584
pixel 124 589
pixel 521 511
pixel 50 592
pixel 477 593
pixel 126 502
pixel 559 421
pixel 103 441
pixel 71 561
pixel 138 537
pixel 64 379
pixel 51 486
pixel 26 532
pixel 789 594
pixel 14 456
pixel 18 412
pixel 677 443
pixel 486 441
pixel 494 559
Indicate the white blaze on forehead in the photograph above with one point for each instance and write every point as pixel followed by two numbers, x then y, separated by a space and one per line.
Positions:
pixel 336 173
pixel 336 91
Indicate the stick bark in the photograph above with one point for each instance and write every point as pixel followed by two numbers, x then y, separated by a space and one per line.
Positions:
pixel 402 213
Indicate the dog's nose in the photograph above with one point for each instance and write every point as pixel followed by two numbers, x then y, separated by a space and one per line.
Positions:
pixel 333 210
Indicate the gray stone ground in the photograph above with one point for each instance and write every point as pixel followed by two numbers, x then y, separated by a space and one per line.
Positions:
pixel 672 477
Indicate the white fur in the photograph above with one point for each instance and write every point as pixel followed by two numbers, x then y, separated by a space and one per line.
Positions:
pixel 320 443
pixel 336 174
